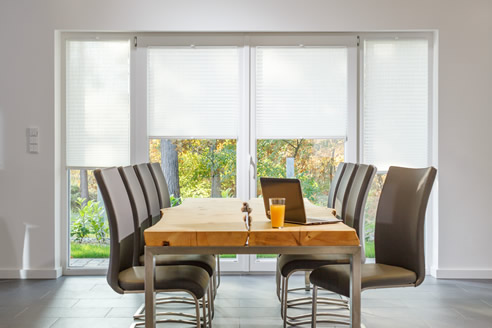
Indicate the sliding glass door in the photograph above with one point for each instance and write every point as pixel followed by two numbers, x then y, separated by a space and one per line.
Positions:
pixel 300 112
pixel 222 112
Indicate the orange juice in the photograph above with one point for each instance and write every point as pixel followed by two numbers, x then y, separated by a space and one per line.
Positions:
pixel 277 215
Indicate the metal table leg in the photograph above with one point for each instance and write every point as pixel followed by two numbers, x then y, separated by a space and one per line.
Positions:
pixel 355 289
pixel 149 289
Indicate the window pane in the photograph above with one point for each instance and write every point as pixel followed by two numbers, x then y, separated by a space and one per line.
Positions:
pixel 301 92
pixel 370 213
pixel 196 168
pixel 89 230
pixel 395 110
pixel 193 92
pixel 97 103
pixel 312 161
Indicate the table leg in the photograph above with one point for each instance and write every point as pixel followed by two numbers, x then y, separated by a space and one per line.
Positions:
pixel 355 289
pixel 149 289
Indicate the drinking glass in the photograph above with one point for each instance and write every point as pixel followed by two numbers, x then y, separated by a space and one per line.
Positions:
pixel 277 212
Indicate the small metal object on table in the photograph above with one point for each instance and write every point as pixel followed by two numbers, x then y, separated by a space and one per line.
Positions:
pixel 214 226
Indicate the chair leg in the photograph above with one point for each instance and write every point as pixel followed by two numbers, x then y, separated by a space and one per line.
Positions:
pixel 307 283
pixel 285 293
pixel 210 300
pixel 197 309
pixel 278 282
pixel 204 306
pixel 218 274
pixel 282 282
pixel 314 306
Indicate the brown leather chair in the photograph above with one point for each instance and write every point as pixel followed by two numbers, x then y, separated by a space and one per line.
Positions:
pixel 143 221
pixel 341 196
pixel 161 184
pixel 123 276
pixel 334 184
pixel 399 239
pixel 331 204
pixel 358 184
pixel 165 202
pixel 150 191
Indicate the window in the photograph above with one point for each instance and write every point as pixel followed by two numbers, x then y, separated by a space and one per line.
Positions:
pixel 193 105
pixel 395 112
pixel 302 106
pixel 97 134
pixel 220 110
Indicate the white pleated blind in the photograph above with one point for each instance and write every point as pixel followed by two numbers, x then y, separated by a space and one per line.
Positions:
pixel 301 92
pixel 395 110
pixel 97 103
pixel 193 92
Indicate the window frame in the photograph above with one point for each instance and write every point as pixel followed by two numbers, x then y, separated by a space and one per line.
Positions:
pixel 65 176
pixel 246 142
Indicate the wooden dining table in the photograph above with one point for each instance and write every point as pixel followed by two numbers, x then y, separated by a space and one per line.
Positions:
pixel 216 226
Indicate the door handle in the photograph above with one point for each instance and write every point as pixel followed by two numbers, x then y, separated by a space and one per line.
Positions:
pixel 253 164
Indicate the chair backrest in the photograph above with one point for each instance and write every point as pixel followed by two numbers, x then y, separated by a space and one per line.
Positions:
pixel 335 182
pixel 354 212
pixel 150 191
pixel 141 217
pixel 343 189
pixel 121 225
pixel 161 184
pixel 399 235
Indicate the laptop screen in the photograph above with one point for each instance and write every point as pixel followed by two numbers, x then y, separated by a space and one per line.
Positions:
pixel 290 189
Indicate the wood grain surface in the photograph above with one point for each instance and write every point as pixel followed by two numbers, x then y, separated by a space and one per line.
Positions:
pixel 219 222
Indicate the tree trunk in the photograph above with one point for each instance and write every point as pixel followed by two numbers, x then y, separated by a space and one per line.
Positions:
pixel 169 163
pixel 216 185
pixel 84 186
pixel 332 165
pixel 215 173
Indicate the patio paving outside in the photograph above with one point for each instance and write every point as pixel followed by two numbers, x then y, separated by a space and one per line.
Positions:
pixel 89 263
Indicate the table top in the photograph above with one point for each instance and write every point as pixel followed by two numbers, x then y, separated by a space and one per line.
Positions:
pixel 219 222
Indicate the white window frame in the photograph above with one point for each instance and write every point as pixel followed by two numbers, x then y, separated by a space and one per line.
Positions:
pixel 431 213
pixel 246 142
pixel 301 40
pixel 65 176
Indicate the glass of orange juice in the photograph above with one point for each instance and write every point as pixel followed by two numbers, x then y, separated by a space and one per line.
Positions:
pixel 277 212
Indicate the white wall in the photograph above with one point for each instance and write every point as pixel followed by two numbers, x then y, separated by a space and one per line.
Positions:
pixel 29 184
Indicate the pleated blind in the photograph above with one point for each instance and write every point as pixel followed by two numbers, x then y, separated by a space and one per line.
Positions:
pixel 193 92
pixel 97 103
pixel 395 103
pixel 301 92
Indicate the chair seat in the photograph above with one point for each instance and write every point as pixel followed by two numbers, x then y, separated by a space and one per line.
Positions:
pixel 185 277
pixel 206 262
pixel 336 278
pixel 292 262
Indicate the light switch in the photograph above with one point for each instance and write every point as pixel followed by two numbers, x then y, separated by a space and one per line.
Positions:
pixel 33 149
pixel 33 140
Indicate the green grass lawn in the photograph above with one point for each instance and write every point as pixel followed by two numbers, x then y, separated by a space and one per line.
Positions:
pixel 370 253
pixel 91 251
pixel 94 251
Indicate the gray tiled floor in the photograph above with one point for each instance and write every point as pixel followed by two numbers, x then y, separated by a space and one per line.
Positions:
pixel 242 301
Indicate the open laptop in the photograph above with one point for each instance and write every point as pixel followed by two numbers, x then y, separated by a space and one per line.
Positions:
pixel 290 189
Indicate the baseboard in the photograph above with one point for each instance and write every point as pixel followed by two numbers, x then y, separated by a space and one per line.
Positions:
pixel 30 273
pixel 463 274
